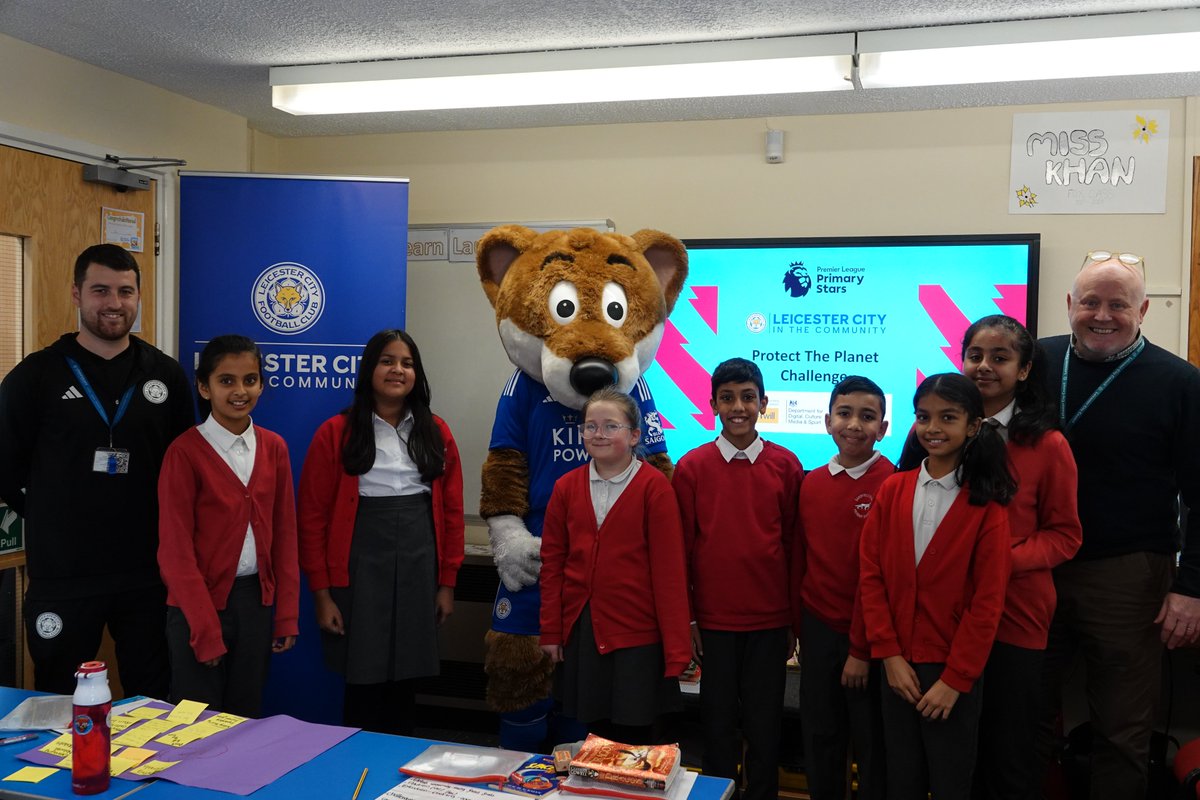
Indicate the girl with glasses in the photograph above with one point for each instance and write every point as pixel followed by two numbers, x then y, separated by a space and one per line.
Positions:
pixel 614 609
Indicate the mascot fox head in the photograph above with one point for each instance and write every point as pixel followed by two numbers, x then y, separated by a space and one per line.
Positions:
pixel 578 310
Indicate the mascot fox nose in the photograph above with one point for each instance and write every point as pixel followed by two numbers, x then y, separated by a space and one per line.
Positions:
pixel 590 374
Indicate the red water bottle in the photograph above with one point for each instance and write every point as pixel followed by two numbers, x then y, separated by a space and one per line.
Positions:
pixel 90 734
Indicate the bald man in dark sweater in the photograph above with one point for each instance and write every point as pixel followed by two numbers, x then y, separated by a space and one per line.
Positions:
pixel 1131 412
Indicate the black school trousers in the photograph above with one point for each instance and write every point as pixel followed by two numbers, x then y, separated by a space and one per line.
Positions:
pixel 742 681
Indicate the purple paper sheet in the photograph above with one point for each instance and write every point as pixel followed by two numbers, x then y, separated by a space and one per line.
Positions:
pixel 239 760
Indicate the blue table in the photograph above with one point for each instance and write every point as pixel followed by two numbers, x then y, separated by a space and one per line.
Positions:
pixel 331 776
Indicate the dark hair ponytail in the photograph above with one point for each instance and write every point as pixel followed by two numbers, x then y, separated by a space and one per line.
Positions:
pixel 425 445
pixel 983 461
pixel 1035 414
pixel 229 344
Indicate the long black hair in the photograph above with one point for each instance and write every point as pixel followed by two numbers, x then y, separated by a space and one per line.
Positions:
pixel 425 445
pixel 1035 414
pixel 983 461
pixel 229 344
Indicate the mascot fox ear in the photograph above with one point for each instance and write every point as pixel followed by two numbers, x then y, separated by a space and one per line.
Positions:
pixel 496 252
pixel 668 258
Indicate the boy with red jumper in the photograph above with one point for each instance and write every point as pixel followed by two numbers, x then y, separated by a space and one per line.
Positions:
pixel 839 685
pixel 738 498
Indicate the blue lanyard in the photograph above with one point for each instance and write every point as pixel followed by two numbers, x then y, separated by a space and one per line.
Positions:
pixel 96 404
pixel 1062 400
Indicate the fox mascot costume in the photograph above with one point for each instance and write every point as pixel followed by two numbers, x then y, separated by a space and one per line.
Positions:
pixel 576 311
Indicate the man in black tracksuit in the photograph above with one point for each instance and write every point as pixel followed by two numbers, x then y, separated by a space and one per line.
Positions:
pixel 84 424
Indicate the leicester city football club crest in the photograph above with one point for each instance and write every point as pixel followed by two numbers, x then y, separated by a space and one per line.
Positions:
pixel 48 625
pixel 288 298
pixel 155 391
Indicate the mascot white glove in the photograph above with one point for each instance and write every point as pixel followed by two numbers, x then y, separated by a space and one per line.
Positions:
pixel 516 551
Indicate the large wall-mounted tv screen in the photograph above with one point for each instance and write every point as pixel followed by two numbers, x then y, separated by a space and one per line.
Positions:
pixel 811 311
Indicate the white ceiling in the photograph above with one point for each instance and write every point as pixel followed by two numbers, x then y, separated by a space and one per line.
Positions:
pixel 219 51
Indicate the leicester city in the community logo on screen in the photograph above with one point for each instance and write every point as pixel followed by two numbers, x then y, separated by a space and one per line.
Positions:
pixel 288 298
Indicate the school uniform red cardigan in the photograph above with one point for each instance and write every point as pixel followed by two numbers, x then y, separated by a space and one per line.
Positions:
pixel 631 570
pixel 328 506
pixel 945 609
pixel 1044 520
pixel 203 511
pixel 739 527
pixel 833 509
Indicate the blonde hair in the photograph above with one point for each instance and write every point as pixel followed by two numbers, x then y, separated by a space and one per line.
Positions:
pixel 628 406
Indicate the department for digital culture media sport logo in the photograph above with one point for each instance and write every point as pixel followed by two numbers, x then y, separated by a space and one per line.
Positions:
pixel 796 280
pixel 288 298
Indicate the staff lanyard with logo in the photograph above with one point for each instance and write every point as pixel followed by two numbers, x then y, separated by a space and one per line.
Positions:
pixel 1112 376
pixel 109 460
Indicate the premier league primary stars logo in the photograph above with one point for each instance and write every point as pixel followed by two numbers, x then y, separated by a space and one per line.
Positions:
pixel 288 298
pixel 797 280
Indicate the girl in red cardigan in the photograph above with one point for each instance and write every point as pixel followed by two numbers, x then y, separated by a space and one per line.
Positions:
pixel 614 577
pixel 933 570
pixel 227 539
pixel 998 354
pixel 381 534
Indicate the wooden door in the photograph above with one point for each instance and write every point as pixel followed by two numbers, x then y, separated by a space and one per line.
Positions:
pixel 45 201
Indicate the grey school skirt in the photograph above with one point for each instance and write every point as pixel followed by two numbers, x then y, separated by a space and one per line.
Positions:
pixel 625 686
pixel 388 609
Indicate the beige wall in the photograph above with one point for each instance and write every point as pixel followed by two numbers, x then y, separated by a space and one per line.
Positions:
pixel 863 174
pixel 56 95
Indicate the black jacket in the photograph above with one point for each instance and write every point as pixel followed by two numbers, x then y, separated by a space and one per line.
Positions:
pixel 88 532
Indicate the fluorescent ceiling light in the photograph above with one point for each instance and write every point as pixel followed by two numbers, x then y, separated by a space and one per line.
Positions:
pixel 1143 43
pixel 655 72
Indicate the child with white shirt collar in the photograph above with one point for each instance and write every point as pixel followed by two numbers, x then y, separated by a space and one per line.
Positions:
pixel 839 684
pixel 738 500
pixel 381 535
pixel 227 539
pixel 934 565
pixel 614 612
pixel 1001 357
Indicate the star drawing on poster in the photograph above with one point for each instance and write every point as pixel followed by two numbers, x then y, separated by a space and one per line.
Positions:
pixel 1026 197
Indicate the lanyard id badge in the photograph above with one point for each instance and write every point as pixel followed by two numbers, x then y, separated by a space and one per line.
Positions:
pixel 111 461
pixel 107 460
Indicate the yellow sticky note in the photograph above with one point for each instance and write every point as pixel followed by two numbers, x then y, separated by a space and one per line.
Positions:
pixel 189 734
pixel 224 721
pixel 136 737
pixel 138 753
pixel 118 764
pixel 58 747
pixel 66 763
pixel 31 774
pixel 152 767
pixel 186 712
pixel 146 712
pixel 118 724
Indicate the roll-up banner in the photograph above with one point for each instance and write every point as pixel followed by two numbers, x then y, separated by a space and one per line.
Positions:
pixel 309 267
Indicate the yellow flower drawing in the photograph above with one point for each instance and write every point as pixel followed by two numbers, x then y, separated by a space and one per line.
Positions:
pixel 1026 197
pixel 1145 129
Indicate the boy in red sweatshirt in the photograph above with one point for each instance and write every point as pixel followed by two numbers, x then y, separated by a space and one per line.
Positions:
pixel 839 684
pixel 738 498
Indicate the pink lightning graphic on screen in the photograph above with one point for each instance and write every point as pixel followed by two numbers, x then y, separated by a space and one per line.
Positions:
pixel 683 370
pixel 948 318
pixel 1012 300
pixel 705 303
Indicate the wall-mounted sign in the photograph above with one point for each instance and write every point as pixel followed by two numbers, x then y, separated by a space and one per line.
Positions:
pixel 124 228
pixel 1089 162
pixel 456 243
